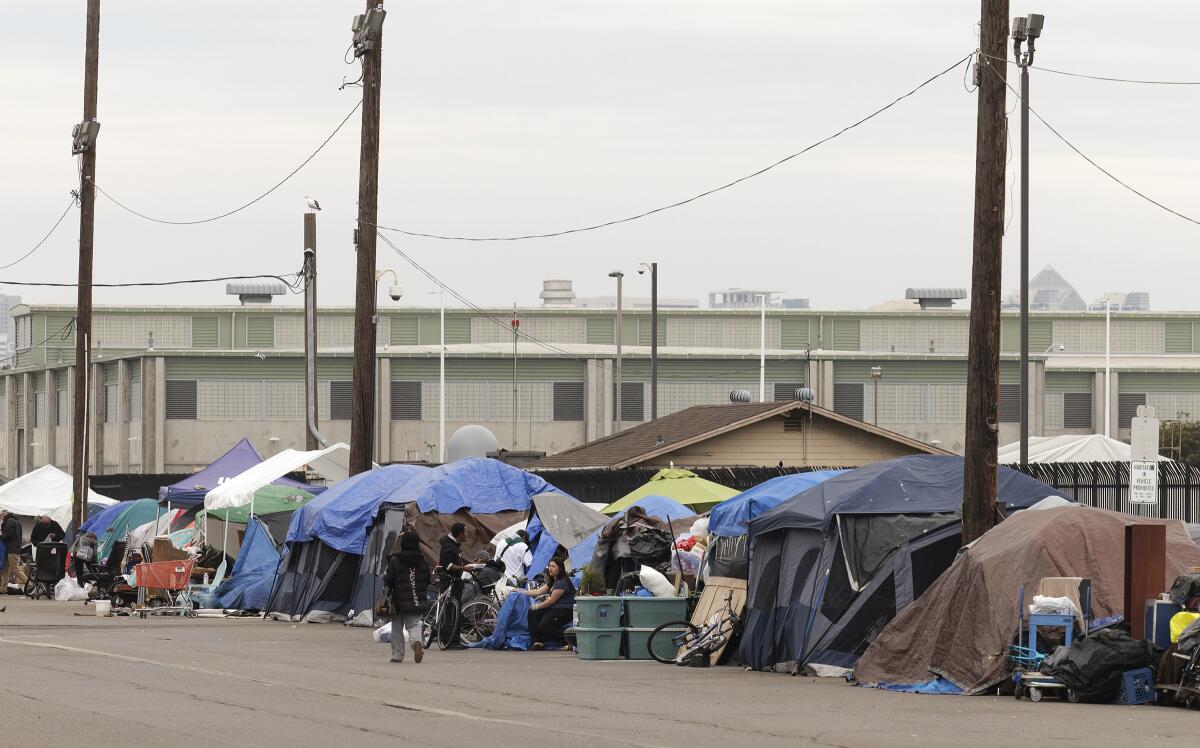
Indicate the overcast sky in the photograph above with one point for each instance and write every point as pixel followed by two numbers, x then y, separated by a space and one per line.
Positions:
pixel 527 117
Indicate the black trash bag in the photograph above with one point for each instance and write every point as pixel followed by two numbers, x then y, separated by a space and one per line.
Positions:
pixel 1185 587
pixel 651 547
pixel 729 557
pixel 1093 666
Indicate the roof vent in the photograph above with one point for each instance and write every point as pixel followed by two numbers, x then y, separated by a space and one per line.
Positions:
pixel 557 293
pixel 739 396
pixel 935 298
pixel 255 292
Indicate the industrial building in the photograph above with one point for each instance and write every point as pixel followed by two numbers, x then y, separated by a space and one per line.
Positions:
pixel 173 387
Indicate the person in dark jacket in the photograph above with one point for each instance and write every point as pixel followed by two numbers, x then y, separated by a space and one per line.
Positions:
pixel 550 615
pixel 46 531
pixel 407 577
pixel 13 571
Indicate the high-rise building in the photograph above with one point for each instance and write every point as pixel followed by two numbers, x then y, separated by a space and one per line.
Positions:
pixel 1048 292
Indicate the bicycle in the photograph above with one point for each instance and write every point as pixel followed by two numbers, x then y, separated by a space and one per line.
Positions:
pixel 441 622
pixel 689 641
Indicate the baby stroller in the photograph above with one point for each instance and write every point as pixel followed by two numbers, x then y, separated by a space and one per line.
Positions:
pixel 49 567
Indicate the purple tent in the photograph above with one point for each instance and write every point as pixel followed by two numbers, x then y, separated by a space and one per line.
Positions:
pixel 191 490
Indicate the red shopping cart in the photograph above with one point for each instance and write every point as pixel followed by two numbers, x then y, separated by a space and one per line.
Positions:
pixel 172 578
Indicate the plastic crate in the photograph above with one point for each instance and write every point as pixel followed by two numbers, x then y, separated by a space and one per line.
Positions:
pixel 649 612
pixel 599 644
pixel 639 637
pixel 1137 687
pixel 598 612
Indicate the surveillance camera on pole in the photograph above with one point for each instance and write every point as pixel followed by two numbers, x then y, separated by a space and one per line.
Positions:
pixel 395 292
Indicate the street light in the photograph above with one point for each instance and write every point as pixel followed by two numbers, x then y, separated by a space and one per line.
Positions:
pixel 876 375
pixel 617 369
pixel 1107 363
pixel 1025 30
pixel 653 268
pixel 762 348
pixel 395 292
pixel 442 375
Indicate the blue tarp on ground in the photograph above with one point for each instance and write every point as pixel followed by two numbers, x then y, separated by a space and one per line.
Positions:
pixel 191 490
pixel 732 517
pixel 655 506
pixel 512 625
pixel 477 484
pixel 249 587
pixel 341 516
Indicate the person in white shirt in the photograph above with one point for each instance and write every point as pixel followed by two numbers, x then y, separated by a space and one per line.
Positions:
pixel 516 557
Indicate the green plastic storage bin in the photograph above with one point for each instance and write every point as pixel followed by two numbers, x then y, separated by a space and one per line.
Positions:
pixel 662 643
pixel 648 612
pixel 598 612
pixel 599 644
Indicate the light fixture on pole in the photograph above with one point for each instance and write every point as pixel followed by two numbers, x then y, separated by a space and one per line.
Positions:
pixel 762 348
pixel 441 294
pixel 395 292
pixel 876 375
pixel 1107 365
pixel 1025 30
pixel 617 416
pixel 653 268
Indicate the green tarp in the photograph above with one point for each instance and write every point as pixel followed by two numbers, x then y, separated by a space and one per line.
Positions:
pixel 681 485
pixel 267 500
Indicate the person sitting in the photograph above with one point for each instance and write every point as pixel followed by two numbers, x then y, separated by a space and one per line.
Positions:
pixel 407 576
pixel 46 531
pixel 547 617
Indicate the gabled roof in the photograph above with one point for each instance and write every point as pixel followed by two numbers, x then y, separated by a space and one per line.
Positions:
pixel 695 424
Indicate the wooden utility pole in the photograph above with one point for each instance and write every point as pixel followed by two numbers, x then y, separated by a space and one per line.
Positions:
pixel 983 357
pixel 83 303
pixel 310 330
pixel 362 416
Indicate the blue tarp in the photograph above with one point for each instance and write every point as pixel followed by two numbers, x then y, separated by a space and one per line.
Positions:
pixel 478 484
pixel 922 484
pixel 342 515
pixel 731 517
pixel 655 506
pixel 512 625
pixel 191 490
pixel 937 686
pixel 249 587
pixel 100 521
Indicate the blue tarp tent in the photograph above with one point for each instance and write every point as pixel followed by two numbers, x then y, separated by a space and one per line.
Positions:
pixel 655 506
pixel 831 566
pixel 99 521
pixel 732 517
pixel 477 484
pixel 341 517
pixel 249 586
pixel 191 490
pixel 115 522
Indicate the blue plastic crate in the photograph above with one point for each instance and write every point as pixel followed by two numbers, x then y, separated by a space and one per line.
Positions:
pixel 1137 687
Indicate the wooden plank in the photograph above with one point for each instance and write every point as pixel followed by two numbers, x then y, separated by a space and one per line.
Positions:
pixel 712 599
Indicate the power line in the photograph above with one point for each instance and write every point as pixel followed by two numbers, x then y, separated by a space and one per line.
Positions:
pixel 292 284
pixel 1091 161
pixel 693 198
pixel 61 333
pixel 240 208
pixel 1106 78
pixel 36 247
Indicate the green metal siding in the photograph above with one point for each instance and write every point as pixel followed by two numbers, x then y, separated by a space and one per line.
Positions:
pixel 404 331
pixel 205 332
pixel 1069 381
pixel 845 335
pixel 1041 335
pixel 629 335
pixel 260 332
pixel 1133 381
pixel 644 331
pixel 458 369
pixel 903 372
pixel 1010 335
pixel 600 331
pixel 225 331
pixel 794 332
pixel 1179 337
pixel 458 329
pixel 732 370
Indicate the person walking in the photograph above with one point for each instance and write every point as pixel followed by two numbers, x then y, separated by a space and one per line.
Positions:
pixel 548 617
pixel 46 531
pixel 407 577
pixel 13 573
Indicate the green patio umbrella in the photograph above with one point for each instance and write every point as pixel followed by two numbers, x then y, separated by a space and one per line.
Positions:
pixel 681 485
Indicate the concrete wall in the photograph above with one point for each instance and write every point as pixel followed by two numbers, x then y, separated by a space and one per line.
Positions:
pixel 409 438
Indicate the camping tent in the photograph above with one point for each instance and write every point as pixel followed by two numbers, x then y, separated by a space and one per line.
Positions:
pixel 241 457
pixel 329 462
pixel 732 517
pixel 960 628
pixel 832 565
pixel 683 486
pixel 660 507
pixel 273 504
pixel 1070 448
pixel 116 522
pixel 249 585
pixel 46 490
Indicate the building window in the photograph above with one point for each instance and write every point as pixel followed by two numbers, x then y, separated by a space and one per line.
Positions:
pixel 1127 405
pixel 340 400
pixel 406 401
pixel 39 409
pixel 180 399
pixel 1077 410
pixel 568 401
pixel 786 390
pixel 848 399
pixel 633 401
pixel 1010 403
pixel 60 408
pixel 111 414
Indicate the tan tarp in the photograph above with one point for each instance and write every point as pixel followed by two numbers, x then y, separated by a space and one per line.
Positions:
pixel 481 528
pixel 961 626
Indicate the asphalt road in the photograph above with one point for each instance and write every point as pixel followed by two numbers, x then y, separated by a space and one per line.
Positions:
pixel 71 680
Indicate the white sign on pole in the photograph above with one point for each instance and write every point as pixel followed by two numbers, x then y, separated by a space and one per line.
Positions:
pixel 1143 482
pixel 1143 435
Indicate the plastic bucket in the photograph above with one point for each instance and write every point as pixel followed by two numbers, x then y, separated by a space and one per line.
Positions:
pixel 104 608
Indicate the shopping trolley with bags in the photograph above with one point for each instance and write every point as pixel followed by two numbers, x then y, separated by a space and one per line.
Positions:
pixel 172 578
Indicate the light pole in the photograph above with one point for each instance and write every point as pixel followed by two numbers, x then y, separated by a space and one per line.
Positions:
pixel 1107 364
pixel 876 375
pixel 617 369
pixel 442 376
pixel 394 292
pixel 653 268
pixel 762 348
pixel 1025 29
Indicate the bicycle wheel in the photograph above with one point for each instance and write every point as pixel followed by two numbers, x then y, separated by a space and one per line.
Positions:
pixel 448 623
pixel 680 633
pixel 429 624
pixel 478 621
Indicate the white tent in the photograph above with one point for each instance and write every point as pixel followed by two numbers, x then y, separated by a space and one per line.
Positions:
pixel 1069 448
pixel 332 463
pixel 46 490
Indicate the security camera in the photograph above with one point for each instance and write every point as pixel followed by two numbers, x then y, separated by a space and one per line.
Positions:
pixel 395 292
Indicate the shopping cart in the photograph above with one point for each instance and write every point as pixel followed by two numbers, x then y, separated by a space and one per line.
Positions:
pixel 171 578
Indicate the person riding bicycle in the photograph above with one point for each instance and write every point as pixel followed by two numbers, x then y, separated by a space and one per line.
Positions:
pixel 407 576
pixel 547 617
